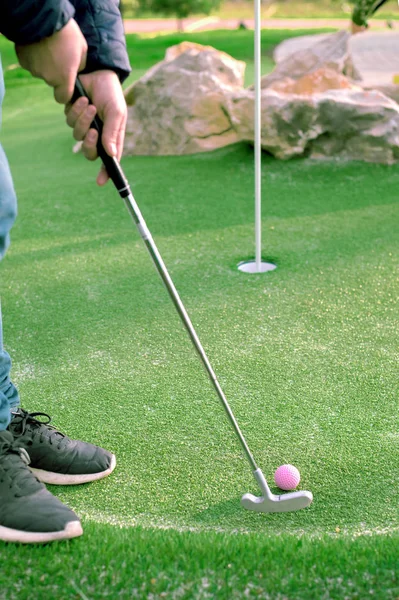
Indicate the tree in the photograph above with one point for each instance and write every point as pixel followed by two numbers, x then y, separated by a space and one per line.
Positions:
pixel 180 8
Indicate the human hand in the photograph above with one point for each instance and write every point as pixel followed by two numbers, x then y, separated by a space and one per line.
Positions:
pixel 106 94
pixel 56 59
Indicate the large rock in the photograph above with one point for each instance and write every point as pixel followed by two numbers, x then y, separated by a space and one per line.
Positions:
pixel 348 123
pixel 194 101
pixel 330 51
pixel 177 107
pixel 291 45
pixel 313 83
pixel 374 54
pixel 390 90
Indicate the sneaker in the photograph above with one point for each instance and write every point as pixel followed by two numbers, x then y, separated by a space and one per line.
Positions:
pixel 55 458
pixel 28 512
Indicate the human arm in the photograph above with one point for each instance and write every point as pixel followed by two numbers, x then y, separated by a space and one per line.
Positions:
pixel 102 26
pixel 48 41
pixel 52 46
pixel 25 22
pixel 107 66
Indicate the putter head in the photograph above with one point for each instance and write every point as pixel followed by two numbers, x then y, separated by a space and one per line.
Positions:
pixel 269 502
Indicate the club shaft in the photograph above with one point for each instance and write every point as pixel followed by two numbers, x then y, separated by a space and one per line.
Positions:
pixel 162 270
pixel 118 178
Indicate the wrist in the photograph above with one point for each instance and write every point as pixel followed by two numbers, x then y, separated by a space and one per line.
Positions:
pixel 92 67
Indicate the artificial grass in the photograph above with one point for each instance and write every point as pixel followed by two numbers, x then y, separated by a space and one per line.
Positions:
pixel 169 564
pixel 306 355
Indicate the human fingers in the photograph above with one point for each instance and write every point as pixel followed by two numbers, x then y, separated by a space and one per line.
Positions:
pixel 89 146
pixel 73 111
pixel 113 123
pixel 102 176
pixel 83 123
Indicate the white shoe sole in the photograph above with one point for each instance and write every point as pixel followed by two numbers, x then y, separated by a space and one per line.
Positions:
pixel 72 529
pixel 62 479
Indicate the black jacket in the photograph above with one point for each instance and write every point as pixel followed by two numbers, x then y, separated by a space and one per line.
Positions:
pixel 28 21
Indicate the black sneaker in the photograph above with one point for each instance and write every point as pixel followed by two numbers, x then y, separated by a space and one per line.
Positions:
pixel 28 512
pixel 55 458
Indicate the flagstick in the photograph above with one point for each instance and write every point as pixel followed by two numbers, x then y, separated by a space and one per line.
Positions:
pixel 257 266
pixel 258 149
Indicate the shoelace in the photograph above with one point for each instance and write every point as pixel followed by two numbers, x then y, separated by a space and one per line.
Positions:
pixel 15 449
pixel 16 471
pixel 24 420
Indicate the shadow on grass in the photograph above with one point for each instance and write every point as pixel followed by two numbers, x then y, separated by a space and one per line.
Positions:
pixel 211 515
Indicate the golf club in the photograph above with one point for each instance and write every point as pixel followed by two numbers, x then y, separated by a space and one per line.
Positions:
pixel 268 502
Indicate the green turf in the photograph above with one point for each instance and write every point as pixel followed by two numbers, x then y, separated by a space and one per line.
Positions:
pixel 307 356
pixel 152 564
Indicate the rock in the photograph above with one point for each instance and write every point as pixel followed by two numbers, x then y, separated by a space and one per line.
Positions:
pixel 174 51
pixel 194 101
pixel 294 44
pixel 346 123
pixel 177 107
pixel 389 90
pixel 358 126
pixel 373 55
pixel 313 83
pixel 331 51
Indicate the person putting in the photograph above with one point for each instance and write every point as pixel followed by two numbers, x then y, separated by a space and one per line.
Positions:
pixel 55 40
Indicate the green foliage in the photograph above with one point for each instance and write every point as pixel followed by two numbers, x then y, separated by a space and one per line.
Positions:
pixel 180 8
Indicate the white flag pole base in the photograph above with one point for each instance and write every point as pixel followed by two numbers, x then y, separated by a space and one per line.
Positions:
pixel 253 266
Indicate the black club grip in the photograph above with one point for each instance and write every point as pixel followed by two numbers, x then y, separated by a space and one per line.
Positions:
pixel 111 164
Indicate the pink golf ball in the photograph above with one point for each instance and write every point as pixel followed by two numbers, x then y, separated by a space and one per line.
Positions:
pixel 287 477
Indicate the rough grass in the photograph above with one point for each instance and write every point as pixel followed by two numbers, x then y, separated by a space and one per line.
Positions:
pixel 153 564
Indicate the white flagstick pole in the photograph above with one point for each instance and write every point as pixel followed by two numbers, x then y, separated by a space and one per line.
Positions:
pixel 257 266
pixel 257 139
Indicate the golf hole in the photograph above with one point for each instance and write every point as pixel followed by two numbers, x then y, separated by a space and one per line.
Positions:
pixel 251 266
